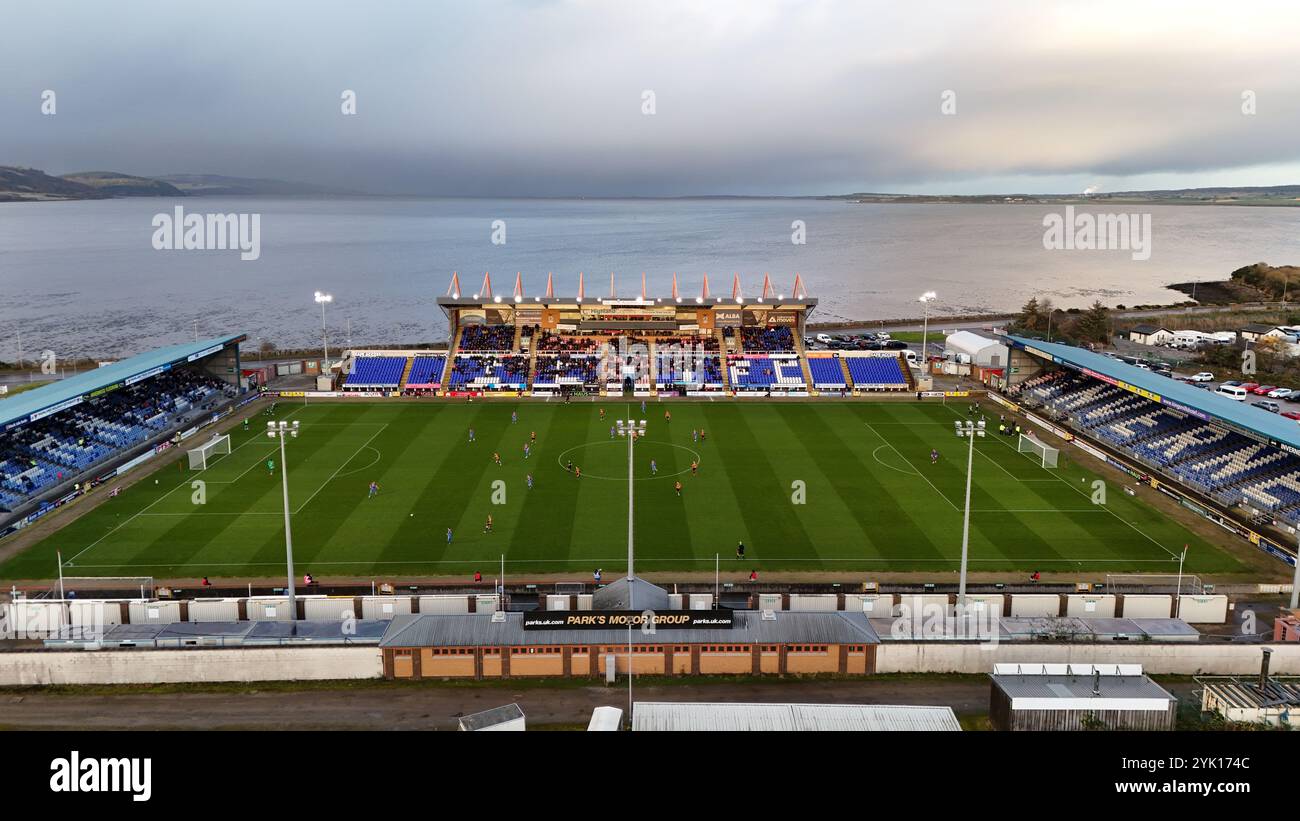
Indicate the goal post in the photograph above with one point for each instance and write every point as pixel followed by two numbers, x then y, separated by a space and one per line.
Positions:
pixel 1045 454
pixel 216 446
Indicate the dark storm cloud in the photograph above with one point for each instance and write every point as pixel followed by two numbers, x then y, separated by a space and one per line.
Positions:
pixel 545 98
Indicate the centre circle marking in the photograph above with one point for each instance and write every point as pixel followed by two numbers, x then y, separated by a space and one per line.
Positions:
pixel 559 460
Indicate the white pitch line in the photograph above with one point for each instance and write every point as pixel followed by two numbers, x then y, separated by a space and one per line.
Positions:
pixel 913 467
pixel 1135 528
pixel 340 467
pixel 184 481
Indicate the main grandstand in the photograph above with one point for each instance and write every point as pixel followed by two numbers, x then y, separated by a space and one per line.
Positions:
pixel 1221 453
pixel 61 438
pixel 563 346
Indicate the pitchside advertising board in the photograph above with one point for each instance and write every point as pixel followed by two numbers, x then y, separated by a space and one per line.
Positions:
pixel 611 619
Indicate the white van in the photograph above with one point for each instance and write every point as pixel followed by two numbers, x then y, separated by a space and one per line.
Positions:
pixel 823 338
pixel 1232 392
pixel 912 358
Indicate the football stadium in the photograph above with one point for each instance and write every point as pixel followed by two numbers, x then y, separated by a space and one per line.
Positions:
pixel 508 446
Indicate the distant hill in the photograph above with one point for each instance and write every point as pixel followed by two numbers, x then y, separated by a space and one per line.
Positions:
pixel 19 184
pixel 1245 195
pixel 124 185
pixel 215 185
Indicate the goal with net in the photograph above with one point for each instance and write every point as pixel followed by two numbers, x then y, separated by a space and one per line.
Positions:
pixel 1044 454
pixel 201 456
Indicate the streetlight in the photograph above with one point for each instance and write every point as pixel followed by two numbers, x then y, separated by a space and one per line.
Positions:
pixel 630 429
pixel 323 298
pixel 278 430
pixel 970 430
pixel 925 299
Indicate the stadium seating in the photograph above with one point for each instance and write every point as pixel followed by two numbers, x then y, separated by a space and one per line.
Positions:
pixel 487 338
pixel 375 372
pixel 750 373
pixel 426 370
pixel 767 340
pixel 876 372
pixel 826 372
pixel 59 447
pixel 488 372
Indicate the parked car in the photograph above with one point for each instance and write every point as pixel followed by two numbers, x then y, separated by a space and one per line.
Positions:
pixel 895 345
pixel 1262 390
pixel 883 336
pixel 1271 407
pixel 1292 415
pixel 824 339
pixel 1245 386
pixel 1232 383
pixel 1203 376
pixel 1236 392
pixel 1280 393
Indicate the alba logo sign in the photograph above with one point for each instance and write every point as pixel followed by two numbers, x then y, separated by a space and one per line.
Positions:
pixel 125 775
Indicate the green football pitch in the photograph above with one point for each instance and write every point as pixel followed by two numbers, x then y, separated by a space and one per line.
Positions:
pixel 807 486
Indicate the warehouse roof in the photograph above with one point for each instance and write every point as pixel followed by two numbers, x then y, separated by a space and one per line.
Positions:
pixel 1246 692
pixel 67 392
pixel 1079 687
pixel 715 716
pixel 360 631
pixel 1181 396
pixel 492 717
pixel 476 630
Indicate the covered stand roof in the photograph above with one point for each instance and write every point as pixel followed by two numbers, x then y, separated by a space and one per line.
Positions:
pixel 65 393
pixel 712 717
pixel 1203 404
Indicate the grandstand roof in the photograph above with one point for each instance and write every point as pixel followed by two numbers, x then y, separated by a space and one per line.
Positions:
pixel 67 392
pixel 1183 396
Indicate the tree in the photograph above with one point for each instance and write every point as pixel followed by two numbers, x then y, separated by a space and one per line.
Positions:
pixel 1030 315
pixel 1094 325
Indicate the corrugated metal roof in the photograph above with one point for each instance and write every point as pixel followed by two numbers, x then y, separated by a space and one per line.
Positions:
pixel 1012 628
pixel 715 716
pixel 1246 693
pixel 461 630
pixel 1172 392
pixel 48 396
pixel 1080 686
pixel 643 596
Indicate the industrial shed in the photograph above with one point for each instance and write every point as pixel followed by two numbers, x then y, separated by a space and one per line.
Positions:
pixel 731 717
pixel 1078 697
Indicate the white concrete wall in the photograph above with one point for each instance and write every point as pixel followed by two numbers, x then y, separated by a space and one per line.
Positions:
pixel 675 601
pixel 874 605
pixel 1147 606
pixel 1203 609
pixel 385 607
pixel 1176 659
pixel 557 602
pixel 155 612
pixel 815 602
pixel 585 602
pixel 329 608
pixel 448 604
pixel 921 603
pixel 701 601
pixel 769 601
pixel 163 666
pixel 32 619
pixel 1035 604
pixel 1090 606
pixel 993 602
pixel 94 614
pixel 274 608
pixel 206 610
pixel 488 604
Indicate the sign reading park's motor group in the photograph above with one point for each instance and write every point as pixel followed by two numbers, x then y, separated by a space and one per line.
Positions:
pixel 614 619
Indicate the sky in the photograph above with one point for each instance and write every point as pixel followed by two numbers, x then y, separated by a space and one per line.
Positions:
pixel 545 98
